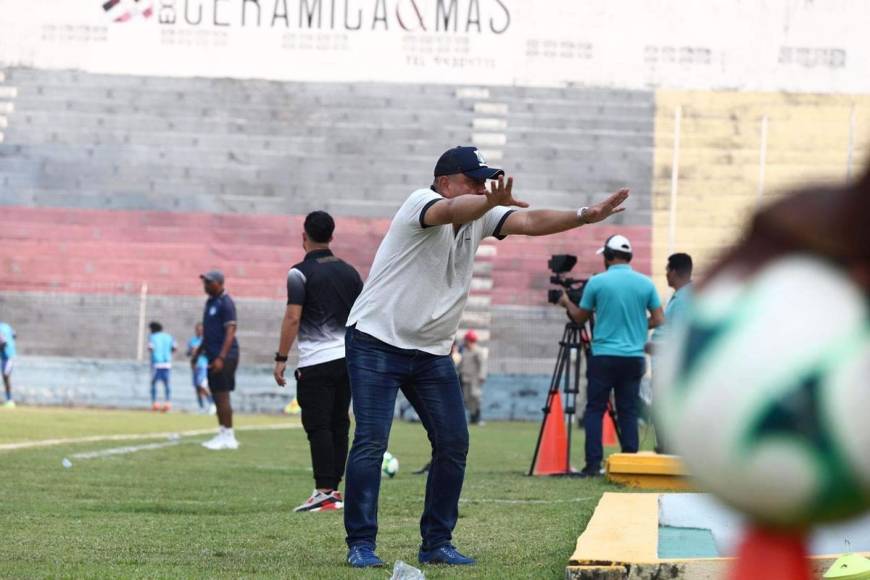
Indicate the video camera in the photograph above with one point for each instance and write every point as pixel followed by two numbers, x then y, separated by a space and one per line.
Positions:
pixel 560 264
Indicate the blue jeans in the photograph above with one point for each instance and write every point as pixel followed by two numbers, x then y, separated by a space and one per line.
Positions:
pixel 623 375
pixel 160 376
pixel 377 371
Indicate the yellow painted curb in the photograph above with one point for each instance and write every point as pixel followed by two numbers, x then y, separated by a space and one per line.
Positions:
pixel 648 470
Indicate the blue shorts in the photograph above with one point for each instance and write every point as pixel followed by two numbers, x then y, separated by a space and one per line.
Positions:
pixel 200 377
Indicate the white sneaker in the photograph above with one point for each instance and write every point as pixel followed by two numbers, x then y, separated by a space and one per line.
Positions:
pixel 215 442
pixel 222 440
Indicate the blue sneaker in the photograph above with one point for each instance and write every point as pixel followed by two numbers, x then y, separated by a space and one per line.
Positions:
pixel 363 557
pixel 445 554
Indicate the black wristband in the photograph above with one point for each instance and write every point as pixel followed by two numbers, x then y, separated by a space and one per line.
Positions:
pixel 280 358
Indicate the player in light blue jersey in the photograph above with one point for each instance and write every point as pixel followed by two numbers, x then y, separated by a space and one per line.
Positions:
pixel 7 355
pixel 161 345
pixel 200 372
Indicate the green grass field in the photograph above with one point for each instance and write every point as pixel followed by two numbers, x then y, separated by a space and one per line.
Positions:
pixel 180 511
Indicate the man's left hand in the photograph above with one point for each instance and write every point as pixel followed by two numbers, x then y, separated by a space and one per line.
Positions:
pixel 564 301
pixel 605 209
pixel 278 373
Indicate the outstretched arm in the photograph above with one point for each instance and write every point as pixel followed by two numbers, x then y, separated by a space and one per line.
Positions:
pixel 467 208
pixel 543 222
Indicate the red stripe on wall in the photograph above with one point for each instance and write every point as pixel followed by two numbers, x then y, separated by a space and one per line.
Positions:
pixel 93 251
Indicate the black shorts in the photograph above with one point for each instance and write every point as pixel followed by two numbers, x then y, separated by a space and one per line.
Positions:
pixel 225 380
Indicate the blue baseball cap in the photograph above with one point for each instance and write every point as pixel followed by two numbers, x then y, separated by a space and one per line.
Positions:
pixel 213 276
pixel 467 160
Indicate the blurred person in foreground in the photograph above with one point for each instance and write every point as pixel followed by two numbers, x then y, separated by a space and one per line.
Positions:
pixel 626 306
pixel 472 374
pixel 763 389
pixel 199 373
pixel 400 331
pixel 221 348
pixel 7 361
pixel 320 292
pixel 162 346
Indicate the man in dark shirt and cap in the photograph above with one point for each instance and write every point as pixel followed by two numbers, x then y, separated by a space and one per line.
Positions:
pixel 221 348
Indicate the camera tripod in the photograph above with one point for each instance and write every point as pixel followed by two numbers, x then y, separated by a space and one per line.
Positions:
pixel 575 341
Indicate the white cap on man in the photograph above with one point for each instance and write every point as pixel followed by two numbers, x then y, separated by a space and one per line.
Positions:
pixel 617 243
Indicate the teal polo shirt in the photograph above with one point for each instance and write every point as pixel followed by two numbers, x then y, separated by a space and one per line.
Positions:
pixel 620 298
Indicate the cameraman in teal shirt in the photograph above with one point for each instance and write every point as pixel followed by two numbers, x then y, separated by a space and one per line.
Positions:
pixel 620 299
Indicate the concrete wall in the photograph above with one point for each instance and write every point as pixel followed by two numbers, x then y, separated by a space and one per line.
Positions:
pixel 126 384
pixel 730 161
pixel 98 325
pixel 109 182
pixel 225 146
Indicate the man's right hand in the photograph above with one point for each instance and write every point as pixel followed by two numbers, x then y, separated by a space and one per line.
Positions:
pixel 499 193
pixel 279 373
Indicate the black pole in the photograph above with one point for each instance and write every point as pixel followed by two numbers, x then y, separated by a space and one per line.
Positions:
pixel 572 392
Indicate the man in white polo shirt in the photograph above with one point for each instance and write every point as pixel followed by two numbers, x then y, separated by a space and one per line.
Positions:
pixel 400 331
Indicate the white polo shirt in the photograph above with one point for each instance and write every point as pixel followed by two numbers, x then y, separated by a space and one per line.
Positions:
pixel 421 276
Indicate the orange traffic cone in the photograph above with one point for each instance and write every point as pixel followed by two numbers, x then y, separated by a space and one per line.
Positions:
pixel 608 434
pixel 553 454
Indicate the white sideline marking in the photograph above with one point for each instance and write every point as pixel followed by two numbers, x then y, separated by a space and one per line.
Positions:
pixel 527 501
pixel 135 436
pixel 122 450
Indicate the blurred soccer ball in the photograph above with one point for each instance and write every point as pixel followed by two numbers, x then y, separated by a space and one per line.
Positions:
pixel 764 391
pixel 390 465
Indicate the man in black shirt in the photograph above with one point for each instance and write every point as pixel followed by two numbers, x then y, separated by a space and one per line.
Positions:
pixel 320 292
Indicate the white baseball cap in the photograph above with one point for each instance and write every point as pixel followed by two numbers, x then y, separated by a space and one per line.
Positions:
pixel 617 243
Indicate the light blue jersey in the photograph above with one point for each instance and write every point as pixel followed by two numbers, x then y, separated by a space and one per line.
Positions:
pixel 675 311
pixel 161 345
pixel 620 298
pixel 192 345
pixel 7 341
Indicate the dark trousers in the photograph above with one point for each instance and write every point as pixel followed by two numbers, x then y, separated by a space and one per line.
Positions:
pixel 622 375
pixel 323 392
pixel 377 372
